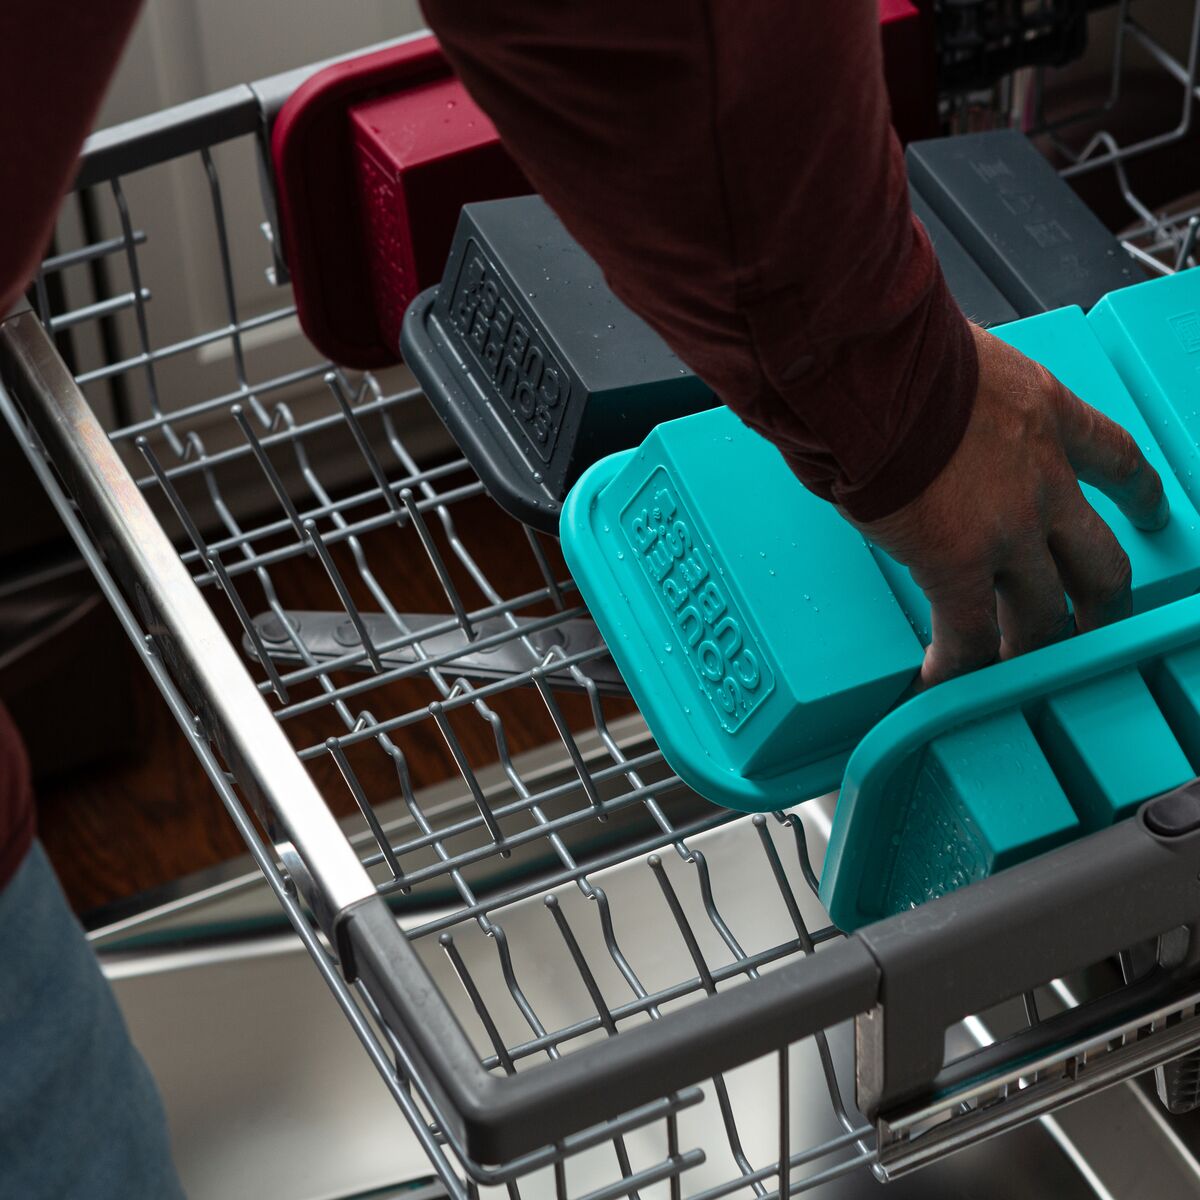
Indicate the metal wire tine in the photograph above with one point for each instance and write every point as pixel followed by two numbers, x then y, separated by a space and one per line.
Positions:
pixel 808 946
pixel 94 312
pixel 615 752
pixel 1147 260
pixel 707 898
pixel 518 784
pixel 42 298
pixel 626 1168
pixel 841 1112
pixel 639 990
pixel 602 1010
pixel 810 1182
pixel 184 346
pixel 235 338
pixel 560 1177
pixel 168 488
pixel 404 778
pixel 685 929
pixel 1189 242
pixel 481 1009
pixel 785 1121
pixel 500 941
pixel 526 837
pixel 538 675
pixel 801 836
pixel 367 809
pixel 609 933
pixel 439 564
pixel 785 888
pixel 673 1155
pixel 139 310
pixel 734 1137
pixel 581 965
pixel 248 626
pixel 238 413
pixel 1031 1008
pixel 460 757
pixel 88 253
pixel 539 554
pixel 334 382
pixel 339 584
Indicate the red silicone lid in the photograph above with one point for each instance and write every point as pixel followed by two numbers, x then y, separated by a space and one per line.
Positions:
pixel 421 154
pixel 910 67
pixel 317 188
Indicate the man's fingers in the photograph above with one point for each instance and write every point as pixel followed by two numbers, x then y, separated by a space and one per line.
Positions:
pixel 1104 455
pixel 1031 603
pixel 1093 567
pixel 965 633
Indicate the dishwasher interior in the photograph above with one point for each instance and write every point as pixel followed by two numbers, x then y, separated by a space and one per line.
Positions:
pixel 542 964
pixel 220 1024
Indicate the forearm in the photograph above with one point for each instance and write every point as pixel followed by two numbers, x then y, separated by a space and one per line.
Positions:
pixel 733 171
pixel 56 57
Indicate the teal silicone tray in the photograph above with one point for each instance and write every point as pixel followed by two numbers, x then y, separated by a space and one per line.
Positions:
pixel 984 771
pixel 749 620
pixel 1166 565
pixel 1152 335
pixel 763 640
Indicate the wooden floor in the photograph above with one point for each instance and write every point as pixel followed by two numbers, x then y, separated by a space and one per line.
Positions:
pixel 149 815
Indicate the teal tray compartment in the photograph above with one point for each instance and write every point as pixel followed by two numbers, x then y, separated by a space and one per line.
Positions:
pixel 749 620
pixel 1175 682
pixel 763 639
pixel 1151 333
pixel 1166 563
pixel 1087 734
pixel 1112 716
pixel 982 799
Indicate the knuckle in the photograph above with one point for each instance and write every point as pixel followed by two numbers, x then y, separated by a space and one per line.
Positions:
pixel 1127 461
pixel 1050 628
pixel 1114 577
pixel 976 642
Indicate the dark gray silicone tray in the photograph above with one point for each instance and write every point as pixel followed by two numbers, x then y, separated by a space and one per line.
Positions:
pixel 535 367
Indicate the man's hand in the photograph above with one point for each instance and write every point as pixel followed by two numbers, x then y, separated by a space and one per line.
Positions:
pixel 1003 535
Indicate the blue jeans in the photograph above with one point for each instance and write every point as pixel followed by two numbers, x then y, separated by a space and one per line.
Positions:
pixel 79 1113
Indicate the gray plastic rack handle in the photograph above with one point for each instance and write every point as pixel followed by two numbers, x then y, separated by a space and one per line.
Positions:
pixel 906 980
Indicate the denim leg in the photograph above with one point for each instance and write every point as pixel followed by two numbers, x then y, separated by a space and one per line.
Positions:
pixel 79 1112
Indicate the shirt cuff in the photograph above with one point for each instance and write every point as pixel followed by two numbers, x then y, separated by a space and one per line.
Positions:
pixel 941 396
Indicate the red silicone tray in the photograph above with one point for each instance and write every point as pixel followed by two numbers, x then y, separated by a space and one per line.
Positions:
pixel 329 252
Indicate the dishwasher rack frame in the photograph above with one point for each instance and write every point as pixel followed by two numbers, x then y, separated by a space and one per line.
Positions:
pixel 480 1120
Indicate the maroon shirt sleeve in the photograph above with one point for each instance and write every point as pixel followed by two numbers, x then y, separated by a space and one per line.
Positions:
pixel 56 57
pixel 16 799
pixel 733 170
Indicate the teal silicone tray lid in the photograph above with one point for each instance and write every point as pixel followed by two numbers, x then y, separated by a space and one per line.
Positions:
pixel 759 634
pixel 987 770
pixel 750 621
pixel 1166 564
pixel 1152 335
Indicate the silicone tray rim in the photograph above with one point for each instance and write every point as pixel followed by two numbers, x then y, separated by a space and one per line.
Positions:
pixel 969 698
pixel 484 443
pixel 650 689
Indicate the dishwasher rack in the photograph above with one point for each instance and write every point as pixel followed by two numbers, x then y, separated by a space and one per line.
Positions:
pixel 205 580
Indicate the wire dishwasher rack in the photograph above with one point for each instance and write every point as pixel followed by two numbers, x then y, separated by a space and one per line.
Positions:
pixel 323 632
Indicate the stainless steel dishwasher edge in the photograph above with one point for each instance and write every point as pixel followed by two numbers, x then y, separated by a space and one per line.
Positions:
pixel 219 1025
